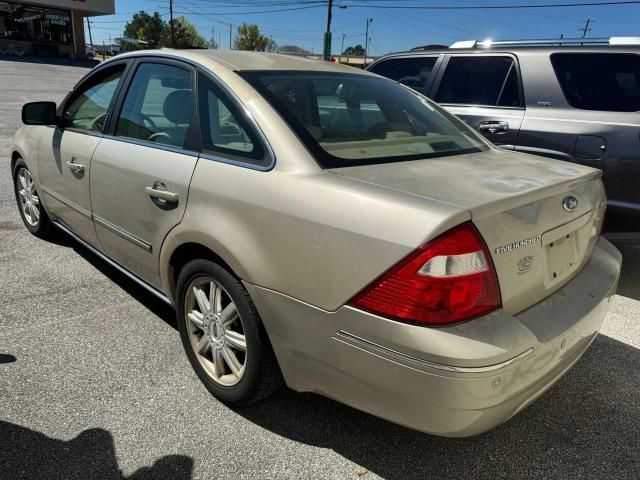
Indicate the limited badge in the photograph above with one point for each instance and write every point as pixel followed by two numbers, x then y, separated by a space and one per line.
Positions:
pixel 525 264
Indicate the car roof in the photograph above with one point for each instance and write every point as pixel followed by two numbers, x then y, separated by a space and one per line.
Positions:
pixel 531 50
pixel 241 60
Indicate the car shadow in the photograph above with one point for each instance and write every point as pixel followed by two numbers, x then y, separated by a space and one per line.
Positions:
pixel 27 454
pixel 586 426
pixel 629 284
pixel 7 358
pixel 154 304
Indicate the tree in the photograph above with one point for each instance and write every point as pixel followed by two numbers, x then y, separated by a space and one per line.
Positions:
pixel 357 51
pixel 248 37
pixel 186 35
pixel 149 28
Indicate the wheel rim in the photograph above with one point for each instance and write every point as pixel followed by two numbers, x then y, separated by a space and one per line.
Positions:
pixel 29 200
pixel 215 330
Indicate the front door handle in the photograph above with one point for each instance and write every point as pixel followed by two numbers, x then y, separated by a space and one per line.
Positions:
pixel 160 193
pixel 494 127
pixel 75 168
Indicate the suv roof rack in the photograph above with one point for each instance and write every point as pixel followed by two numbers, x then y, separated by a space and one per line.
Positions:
pixel 551 42
pixel 428 47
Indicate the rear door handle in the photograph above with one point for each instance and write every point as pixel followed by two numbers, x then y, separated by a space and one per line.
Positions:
pixel 75 167
pixel 494 127
pixel 159 191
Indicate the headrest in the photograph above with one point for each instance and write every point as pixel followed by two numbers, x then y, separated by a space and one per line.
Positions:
pixel 178 106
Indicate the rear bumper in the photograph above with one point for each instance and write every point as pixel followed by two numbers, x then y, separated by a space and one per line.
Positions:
pixel 454 381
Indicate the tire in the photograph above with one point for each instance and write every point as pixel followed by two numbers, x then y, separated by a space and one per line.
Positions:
pixel 33 214
pixel 210 335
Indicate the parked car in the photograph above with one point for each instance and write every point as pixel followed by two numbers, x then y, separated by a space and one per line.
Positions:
pixel 575 100
pixel 90 52
pixel 324 225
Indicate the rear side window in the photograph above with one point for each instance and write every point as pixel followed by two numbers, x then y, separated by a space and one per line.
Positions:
pixel 350 119
pixel 599 81
pixel 491 81
pixel 224 128
pixel 159 105
pixel 412 72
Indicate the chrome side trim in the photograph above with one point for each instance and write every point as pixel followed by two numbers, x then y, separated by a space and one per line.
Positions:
pixel 621 204
pixel 409 359
pixel 122 233
pixel 76 208
pixel 113 264
pixel 237 163
pixel 144 143
pixel 591 122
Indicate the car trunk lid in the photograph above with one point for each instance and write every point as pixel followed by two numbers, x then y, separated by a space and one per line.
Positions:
pixel 539 217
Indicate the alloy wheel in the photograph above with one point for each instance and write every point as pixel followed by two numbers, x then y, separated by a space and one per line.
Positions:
pixel 215 331
pixel 29 200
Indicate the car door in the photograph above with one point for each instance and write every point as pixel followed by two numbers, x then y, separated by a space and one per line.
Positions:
pixel 65 152
pixel 485 91
pixel 142 168
pixel 584 108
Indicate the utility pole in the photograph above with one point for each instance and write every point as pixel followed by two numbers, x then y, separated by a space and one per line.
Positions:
pixel 366 42
pixel 342 47
pixel 230 35
pixel 586 30
pixel 327 35
pixel 89 27
pixel 173 33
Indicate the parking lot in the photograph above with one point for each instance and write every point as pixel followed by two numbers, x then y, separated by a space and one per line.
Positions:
pixel 94 382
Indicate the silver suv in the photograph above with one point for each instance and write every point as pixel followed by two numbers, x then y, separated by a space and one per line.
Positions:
pixel 575 100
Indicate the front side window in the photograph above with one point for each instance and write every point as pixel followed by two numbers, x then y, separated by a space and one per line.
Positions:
pixel 224 129
pixel 412 72
pixel 599 81
pixel 353 119
pixel 158 107
pixel 88 109
pixel 480 80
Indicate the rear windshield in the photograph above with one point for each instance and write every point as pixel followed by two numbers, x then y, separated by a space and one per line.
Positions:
pixel 348 120
pixel 599 81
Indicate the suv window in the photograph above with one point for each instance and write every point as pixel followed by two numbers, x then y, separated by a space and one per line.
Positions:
pixel 88 109
pixel 599 81
pixel 224 128
pixel 486 80
pixel 159 105
pixel 412 72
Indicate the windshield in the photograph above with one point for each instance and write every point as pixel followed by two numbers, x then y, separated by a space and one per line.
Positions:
pixel 347 120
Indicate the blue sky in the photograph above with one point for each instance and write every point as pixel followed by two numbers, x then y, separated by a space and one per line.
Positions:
pixel 391 30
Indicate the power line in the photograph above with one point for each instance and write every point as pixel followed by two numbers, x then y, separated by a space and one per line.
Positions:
pixel 494 7
pixel 251 12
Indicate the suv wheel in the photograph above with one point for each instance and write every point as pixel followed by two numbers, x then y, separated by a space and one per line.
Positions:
pixel 223 335
pixel 28 199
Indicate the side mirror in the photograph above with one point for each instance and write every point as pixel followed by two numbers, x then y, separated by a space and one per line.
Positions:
pixel 39 113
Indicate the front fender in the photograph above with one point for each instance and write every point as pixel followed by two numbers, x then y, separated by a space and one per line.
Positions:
pixel 25 145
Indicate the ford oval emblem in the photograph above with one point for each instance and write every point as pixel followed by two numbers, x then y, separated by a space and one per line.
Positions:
pixel 570 203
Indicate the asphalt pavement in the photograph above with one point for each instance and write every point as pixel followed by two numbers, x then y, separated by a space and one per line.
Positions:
pixel 94 382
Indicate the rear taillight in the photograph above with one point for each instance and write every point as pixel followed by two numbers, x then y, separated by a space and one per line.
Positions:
pixel 448 280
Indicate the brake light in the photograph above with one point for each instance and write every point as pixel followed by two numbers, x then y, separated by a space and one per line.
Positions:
pixel 448 280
